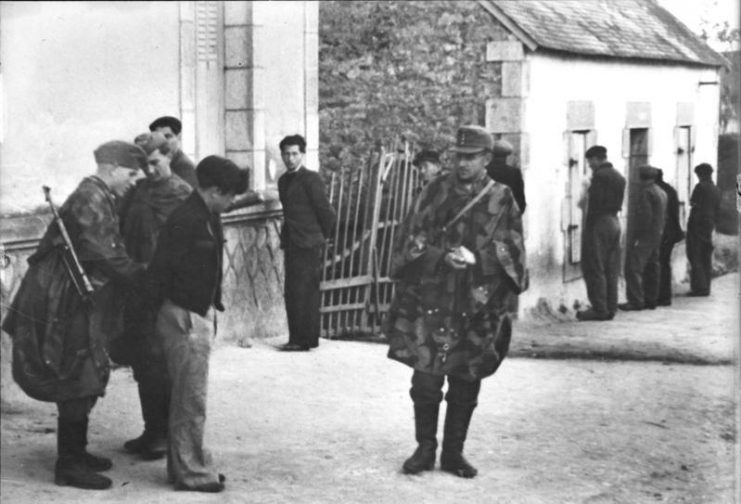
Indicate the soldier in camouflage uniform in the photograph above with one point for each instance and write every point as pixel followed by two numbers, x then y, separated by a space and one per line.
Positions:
pixel 59 340
pixel 460 259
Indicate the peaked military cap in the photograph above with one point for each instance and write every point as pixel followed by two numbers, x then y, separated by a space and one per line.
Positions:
pixel 472 139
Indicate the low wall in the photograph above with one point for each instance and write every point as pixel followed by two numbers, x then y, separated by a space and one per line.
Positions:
pixel 252 286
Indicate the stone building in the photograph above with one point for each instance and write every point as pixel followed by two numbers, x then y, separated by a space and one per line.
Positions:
pixel 551 77
pixel 627 75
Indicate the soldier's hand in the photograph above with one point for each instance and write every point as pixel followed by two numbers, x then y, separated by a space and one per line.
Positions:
pixel 455 261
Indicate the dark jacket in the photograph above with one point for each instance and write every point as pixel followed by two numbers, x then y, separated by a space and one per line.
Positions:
pixel 309 218
pixel 186 268
pixel 650 215
pixel 606 192
pixel 184 168
pixel 58 340
pixel 511 176
pixel 145 212
pixel 672 228
pixel 705 201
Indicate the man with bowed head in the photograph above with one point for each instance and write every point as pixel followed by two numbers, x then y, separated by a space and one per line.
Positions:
pixel 59 339
pixel 186 275
pixel 459 260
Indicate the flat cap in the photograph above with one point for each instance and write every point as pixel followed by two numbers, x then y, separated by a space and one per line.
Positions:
pixel 596 151
pixel 648 172
pixel 502 148
pixel 150 141
pixel 121 153
pixel 703 169
pixel 426 155
pixel 472 139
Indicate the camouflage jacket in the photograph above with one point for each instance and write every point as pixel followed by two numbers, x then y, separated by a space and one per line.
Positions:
pixel 59 342
pixel 448 321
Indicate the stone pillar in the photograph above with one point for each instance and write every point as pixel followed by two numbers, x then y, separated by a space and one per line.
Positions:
pixel 505 114
pixel 244 108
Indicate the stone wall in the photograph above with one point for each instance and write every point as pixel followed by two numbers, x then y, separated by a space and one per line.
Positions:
pixel 253 277
pixel 401 69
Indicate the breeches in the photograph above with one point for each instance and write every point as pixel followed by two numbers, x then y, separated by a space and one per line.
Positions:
pixel 427 388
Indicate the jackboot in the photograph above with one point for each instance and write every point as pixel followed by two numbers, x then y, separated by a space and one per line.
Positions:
pixel 457 419
pixel 425 428
pixel 93 462
pixel 72 468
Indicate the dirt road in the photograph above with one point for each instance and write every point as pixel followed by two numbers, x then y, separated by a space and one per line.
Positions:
pixel 334 425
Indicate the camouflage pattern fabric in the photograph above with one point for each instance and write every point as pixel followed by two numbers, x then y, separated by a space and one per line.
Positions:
pixel 445 321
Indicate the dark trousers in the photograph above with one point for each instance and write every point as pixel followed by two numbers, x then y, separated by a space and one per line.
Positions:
pixel 601 262
pixel 700 256
pixel 154 384
pixel 665 274
pixel 72 425
pixel 427 389
pixel 302 270
pixel 642 275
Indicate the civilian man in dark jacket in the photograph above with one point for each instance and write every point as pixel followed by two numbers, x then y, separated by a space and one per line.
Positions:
pixel 186 272
pixel 59 339
pixel 642 256
pixel 601 236
pixel 181 165
pixel 500 171
pixel 672 234
pixel 704 206
pixel 308 221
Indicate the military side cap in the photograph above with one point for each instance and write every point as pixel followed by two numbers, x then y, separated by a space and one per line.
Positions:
pixel 473 139
pixel 150 141
pixel 121 153
pixel 502 148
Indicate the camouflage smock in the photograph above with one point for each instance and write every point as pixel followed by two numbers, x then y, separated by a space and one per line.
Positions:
pixel 456 322
pixel 59 342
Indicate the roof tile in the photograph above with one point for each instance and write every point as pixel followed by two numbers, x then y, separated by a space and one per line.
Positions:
pixel 616 28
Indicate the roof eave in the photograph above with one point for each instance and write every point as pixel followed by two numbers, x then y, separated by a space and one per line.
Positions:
pixel 513 27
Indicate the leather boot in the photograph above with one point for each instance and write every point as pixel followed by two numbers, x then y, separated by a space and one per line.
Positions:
pixel 71 468
pixel 152 443
pixel 93 462
pixel 425 428
pixel 457 419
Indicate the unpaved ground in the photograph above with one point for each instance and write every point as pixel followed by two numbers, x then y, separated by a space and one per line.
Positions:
pixel 334 425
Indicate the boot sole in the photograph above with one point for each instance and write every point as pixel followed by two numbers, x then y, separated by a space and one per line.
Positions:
pixel 407 470
pixel 65 481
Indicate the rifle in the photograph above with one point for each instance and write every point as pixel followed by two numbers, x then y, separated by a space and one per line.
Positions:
pixel 71 261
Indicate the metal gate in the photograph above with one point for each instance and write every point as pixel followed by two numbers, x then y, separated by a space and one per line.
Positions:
pixel 371 202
